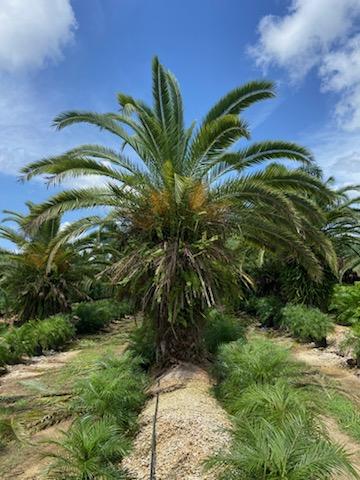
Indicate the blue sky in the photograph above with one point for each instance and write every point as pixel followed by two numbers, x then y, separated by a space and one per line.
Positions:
pixel 76 54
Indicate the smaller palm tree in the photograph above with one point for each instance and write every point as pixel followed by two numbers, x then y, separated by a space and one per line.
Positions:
pixel 265 450
pixel 37 280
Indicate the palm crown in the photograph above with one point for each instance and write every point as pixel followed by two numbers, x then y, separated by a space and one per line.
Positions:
pixel 39 280
pixel 182 192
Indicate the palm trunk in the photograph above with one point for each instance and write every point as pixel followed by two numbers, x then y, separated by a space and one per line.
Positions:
pixel 178 343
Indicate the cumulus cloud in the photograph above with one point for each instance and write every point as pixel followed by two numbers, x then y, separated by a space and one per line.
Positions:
pixel 33 32
pixel 319 34
pixel 337 152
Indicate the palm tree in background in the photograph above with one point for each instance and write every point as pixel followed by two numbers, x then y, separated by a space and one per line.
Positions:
pixel 36 280
pixel 343 227
pixel 181 197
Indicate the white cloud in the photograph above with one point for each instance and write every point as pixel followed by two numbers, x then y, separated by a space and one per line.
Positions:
pixel 337 153
pixel 26 134
pixel 317 34
pixel 33 31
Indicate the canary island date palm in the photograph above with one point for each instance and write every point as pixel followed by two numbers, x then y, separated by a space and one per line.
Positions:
pixel 343 227
pixel 180 194
pixel 34 285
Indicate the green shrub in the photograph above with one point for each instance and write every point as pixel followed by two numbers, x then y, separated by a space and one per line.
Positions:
pixel 142 342
pixel 277 402
pixel 259 361
pixel 53 333
pixel 221 328
pixel 116 309
pixel 17 342
pixel 116 391
pixel 345 303
pixel 266 450
pixel 93 316
pixel 351 344
pixel 268 309
pixel 296 286
pixel 34 338
pixel 89 450
pixel 290 282
pixel 307 324
pixel 122 308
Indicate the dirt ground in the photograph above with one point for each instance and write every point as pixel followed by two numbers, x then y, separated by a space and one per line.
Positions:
pixel 329 361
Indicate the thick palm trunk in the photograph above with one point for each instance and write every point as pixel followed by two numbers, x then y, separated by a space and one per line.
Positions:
pixel 190 426
pixel 177 343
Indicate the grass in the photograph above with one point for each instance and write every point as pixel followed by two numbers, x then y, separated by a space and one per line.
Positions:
pixel 346 413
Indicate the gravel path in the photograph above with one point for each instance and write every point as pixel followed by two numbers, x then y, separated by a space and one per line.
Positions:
pixel 191 426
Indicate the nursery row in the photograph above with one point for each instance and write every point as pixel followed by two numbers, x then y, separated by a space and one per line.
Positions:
pixel 106 405
pixel 277 429
pixel 39 336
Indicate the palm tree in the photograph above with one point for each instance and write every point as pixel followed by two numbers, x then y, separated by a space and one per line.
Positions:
pixel 179 194
pixel 343 227
pixel 36 280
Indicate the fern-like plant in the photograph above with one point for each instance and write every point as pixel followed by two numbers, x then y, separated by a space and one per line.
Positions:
pixel 115 391
pixel 345 303
pixel 90 450
pixel 263 450
pixel 259 361
pixel 307 324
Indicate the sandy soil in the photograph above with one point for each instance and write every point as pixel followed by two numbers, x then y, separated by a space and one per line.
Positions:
pixel 191 426
pixel 34 368
pixel 34 462
pixel 329 361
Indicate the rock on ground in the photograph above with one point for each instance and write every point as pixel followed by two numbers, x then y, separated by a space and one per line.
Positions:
pixel 190 427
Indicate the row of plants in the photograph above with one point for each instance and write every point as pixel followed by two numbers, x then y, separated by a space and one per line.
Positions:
pixel 310 324
pixel 106 405
pixel 277 429
pixel 307 324
pixel 36 337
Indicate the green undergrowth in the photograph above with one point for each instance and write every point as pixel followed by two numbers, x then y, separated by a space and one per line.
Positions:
pixel 107 404
pixel 34 338
pixel 346 412
pixel 90 317
pixel 277 430
pixel 220 326
pixel 307 324
pixel 47 399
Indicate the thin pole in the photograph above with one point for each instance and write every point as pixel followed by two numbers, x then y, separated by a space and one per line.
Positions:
pixel 153 439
